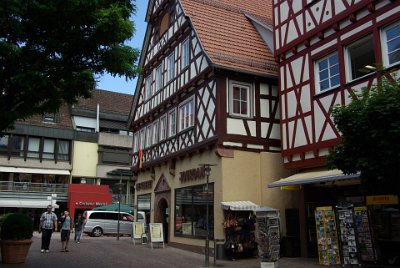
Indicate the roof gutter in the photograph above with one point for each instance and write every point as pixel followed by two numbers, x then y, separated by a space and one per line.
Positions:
pixel 245 71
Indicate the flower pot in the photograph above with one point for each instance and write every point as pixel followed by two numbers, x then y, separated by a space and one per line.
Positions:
pixel 14 251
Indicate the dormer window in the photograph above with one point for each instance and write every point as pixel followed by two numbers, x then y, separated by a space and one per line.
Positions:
pixel 49 117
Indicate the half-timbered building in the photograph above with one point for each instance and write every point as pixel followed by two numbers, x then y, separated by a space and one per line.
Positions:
pixel 324 48
pixel 208 94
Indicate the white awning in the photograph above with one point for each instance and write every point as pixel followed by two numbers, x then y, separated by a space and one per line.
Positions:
pixel 310 177
pixel 15 203
pixel 239 205
pixel 34 170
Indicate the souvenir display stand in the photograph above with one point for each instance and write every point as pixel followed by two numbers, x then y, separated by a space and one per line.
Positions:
pixel 328 245
pixel 268 235
pixel 347 234
pixel 239 234
pixel 365 245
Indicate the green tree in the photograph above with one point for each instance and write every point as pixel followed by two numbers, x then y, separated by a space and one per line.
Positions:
pixel 370 127
pixel 52 52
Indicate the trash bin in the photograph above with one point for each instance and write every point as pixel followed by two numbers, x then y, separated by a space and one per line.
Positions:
pixel 219 247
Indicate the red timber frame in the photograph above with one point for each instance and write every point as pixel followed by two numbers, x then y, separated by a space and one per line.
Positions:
pixel 305 33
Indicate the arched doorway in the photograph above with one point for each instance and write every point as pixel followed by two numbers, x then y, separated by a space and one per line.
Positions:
pixel 162 205
pixel 163 217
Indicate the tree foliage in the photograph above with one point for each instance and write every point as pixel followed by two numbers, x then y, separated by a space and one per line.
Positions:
pixel 370 127
pixel 52 51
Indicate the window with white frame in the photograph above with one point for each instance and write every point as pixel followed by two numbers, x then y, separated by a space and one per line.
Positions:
pixel 327 72
pixel 158 78
pixel 171 66
pixel 240 99
pixel 163 127
pixel 185 53
pixel 142 139
pixel 186 115
pixel 155 132
pixel 149 136
pixel 172 123
pixel 136 142
pixel 360 58
pixel 391 44
pixel 148 87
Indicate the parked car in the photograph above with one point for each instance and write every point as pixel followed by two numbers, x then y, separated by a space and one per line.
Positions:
pixel 98 223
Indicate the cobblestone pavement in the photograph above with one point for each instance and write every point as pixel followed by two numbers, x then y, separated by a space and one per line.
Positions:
pixel 109 252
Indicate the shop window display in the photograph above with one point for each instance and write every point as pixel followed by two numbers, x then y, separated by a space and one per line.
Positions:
pixel 190 211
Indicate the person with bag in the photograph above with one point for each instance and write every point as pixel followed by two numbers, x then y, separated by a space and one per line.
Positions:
pixel 78 228
pixel 48 223
pixel 66 228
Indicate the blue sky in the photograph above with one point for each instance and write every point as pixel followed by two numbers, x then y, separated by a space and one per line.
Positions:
pixel 119 84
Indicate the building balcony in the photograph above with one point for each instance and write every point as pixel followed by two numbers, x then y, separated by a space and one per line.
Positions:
pixel 115 140
pixel 29 187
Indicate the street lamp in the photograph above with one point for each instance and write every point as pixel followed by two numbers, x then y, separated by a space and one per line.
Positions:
pixel 119 185
pixel 207 171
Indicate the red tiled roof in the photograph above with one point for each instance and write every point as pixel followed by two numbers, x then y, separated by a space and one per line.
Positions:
pixel 108 101
pixel 259 8
pixel 229 37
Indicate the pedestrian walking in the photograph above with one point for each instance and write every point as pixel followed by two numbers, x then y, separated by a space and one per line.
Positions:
pixel 78 228
pixel 48 223
pixel 66 228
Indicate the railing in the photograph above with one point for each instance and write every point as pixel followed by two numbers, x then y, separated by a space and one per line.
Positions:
pixel 29 187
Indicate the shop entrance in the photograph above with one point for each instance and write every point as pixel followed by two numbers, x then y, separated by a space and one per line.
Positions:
pixel 163 217
pixel 162 205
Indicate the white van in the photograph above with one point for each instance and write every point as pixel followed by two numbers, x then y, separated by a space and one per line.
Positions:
pixel 99 222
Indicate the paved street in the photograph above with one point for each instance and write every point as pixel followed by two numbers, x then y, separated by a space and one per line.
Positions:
pixel 108 252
